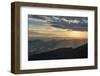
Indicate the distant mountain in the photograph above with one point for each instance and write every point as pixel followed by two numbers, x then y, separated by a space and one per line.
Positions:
pixel 62 53
pixel 37 46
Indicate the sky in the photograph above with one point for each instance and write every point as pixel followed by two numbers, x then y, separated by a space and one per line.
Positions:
pixel 66 27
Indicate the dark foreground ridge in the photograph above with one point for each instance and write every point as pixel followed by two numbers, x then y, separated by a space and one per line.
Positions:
pixel 62 53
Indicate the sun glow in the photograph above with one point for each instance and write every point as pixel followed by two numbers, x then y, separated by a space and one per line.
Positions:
pixel 77 34
pixel 65 34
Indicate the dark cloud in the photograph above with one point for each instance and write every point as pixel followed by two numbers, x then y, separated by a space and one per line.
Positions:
pixel 64 22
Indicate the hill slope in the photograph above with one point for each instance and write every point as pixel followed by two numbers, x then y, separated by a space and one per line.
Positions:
pixel 62 53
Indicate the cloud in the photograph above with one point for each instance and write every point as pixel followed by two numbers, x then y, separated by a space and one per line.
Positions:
pixel 64 22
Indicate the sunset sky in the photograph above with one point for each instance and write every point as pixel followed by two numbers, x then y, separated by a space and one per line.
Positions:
pixel 66 27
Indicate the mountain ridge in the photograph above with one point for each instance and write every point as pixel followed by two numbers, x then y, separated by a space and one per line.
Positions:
pixel 62 53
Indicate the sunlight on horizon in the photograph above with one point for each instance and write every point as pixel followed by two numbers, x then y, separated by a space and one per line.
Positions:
pixel 62 33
